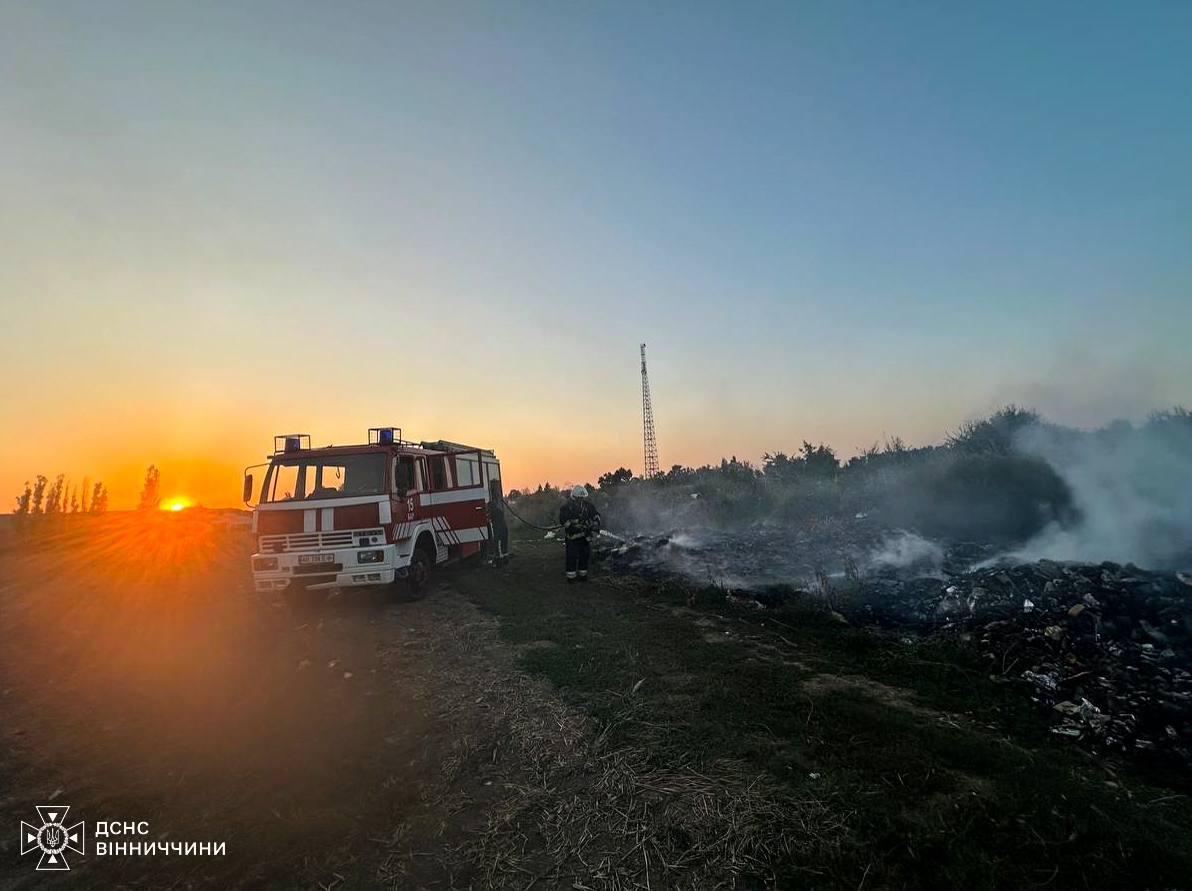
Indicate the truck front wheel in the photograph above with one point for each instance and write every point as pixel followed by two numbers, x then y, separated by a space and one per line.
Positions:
pixel 419 575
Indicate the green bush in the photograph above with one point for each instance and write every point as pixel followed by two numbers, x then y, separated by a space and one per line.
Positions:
pixel 980 484
pixel 1005 498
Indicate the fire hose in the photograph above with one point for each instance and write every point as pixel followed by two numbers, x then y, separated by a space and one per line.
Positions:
pixel 556 526
pixel 528 523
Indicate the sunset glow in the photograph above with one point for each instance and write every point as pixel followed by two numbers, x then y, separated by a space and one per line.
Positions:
pixel 377 212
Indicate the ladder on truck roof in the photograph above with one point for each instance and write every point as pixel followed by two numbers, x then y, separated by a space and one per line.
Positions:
pixel 442 445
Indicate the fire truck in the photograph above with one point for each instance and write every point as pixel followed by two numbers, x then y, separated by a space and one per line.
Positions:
pixel 370 514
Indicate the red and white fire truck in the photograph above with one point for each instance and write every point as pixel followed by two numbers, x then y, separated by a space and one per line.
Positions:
pixel 370 514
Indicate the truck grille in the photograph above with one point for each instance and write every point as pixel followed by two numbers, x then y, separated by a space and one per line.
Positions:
pixel 328 569
pixel 305 541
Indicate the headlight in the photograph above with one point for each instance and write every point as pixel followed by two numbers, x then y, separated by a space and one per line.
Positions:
pixel 264 564
pixel 370 556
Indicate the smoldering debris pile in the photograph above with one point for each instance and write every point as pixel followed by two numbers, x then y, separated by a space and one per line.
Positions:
pixel 1107 649
pixel 763 555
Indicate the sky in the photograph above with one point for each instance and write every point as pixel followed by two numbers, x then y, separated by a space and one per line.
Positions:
pixel 831 221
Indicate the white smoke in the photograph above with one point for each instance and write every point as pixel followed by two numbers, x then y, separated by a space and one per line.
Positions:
pixel 906 550
pixel 1132 490
pixel 685 542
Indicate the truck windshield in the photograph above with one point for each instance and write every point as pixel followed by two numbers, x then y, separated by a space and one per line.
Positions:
pixel 311 477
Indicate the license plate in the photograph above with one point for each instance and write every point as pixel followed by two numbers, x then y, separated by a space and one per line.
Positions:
pixel 307 559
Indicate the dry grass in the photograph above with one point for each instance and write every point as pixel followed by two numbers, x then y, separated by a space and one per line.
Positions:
pixel 627 826
pixel 532 795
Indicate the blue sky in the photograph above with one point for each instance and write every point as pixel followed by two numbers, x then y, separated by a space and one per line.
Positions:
pixel 830 221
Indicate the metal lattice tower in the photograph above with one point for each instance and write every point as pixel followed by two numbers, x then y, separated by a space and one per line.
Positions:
pixel 648 424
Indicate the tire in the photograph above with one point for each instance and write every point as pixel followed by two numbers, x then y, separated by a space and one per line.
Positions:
pixel 419 578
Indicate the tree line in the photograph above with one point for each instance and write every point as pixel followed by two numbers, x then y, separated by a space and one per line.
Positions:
pixel 61 496
pixel 991 437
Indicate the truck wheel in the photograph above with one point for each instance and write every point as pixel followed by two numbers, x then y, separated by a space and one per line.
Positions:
pixel 419 577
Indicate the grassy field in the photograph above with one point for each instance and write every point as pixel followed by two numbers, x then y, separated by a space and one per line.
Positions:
pixel 885 763
pixel 508 731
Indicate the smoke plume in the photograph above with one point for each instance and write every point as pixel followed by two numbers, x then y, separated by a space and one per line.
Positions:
pixel 906 550
pixel 1131 488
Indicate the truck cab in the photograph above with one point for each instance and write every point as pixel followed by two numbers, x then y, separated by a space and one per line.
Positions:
pixel 369 514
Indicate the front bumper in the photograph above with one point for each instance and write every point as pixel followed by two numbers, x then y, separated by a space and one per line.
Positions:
pixel 277 571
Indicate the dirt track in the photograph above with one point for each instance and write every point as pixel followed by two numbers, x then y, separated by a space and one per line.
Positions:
pixel 356 747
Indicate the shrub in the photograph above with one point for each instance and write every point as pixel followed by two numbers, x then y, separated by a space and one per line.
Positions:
pixel 991 497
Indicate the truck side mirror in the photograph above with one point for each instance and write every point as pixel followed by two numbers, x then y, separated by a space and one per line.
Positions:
pixel 247 487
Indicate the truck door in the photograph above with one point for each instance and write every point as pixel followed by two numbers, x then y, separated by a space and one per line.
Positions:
pixel 457 498
pixel 409 475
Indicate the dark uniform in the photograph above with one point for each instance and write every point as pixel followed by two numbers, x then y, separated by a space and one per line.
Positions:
pixel 500 529
pixel 580 521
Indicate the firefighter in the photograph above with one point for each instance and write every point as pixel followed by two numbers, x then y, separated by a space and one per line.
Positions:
pixel 499 528
pixel 580 521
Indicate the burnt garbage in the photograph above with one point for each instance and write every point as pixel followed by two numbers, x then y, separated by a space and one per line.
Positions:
pixel 966 540
pixel 1104 648
pixel 751 558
